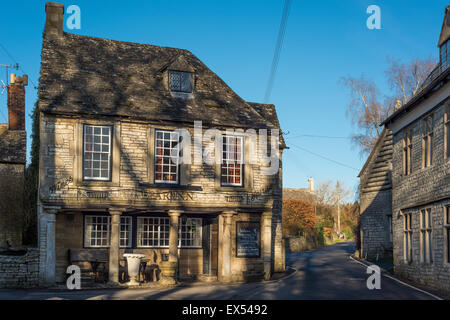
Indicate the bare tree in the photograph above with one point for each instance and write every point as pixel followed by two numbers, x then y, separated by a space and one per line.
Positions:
pixel 366 109
pixel 405 79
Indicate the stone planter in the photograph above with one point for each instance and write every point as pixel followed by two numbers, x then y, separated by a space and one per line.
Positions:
pixel 133 262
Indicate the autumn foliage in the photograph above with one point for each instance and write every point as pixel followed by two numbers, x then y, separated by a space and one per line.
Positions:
pixel 298 217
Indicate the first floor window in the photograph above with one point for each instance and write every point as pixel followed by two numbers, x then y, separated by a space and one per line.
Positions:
pixel 153 232
pixel 389 220
pixel 447 132
pixel 407 150
pixel 166 156
pixel 190 232
pixel 426 236
pixel 232 161
pixel 407 237
pixel 427 141
pixel 96 152
pixel 97 230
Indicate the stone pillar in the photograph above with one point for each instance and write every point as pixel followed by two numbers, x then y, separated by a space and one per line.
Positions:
pixel 49 246
pixel 114 245
pixel 170 269
pixel 226 245
pixel 266 237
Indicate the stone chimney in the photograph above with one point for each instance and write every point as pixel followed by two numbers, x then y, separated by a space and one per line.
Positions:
pixel 311 184
pixel 54 21
pixel 16 102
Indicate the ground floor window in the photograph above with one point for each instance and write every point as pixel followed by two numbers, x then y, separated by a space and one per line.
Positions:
pixel 96 232
pixel 447 230
pixel 153 232
pixel 190 232
pixel 407 237
pixel 150 232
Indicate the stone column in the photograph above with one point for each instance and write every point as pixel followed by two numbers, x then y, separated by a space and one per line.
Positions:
pixel 50 247
pixel 114 245
pixel 170 269
pixel 266 237
pixel 226 245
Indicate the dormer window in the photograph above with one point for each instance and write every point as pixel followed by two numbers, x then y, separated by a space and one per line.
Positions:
pixel 445 55
pixel 180 81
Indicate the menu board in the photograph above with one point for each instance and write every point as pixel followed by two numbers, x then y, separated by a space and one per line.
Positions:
pixel 248 239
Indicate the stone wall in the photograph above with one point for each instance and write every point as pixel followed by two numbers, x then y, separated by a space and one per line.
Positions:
pixel 11 204
pixel 301 243
pixel 20 271
pixel 422 189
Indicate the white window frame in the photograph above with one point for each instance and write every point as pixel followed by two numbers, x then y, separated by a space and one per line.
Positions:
pixel 90 223
pixel 92 153
pixel 126 222
pixel 185 228
pixel 167 158
pixel 158 235
pixel 226 161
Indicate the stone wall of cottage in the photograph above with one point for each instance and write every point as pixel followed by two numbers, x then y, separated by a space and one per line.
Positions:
pixel 20 271
pixel 11 204
pixel 423 188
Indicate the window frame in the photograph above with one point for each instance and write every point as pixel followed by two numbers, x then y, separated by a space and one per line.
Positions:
pixel 155 164
pixel 110 152
pixel 158 239
pixel 101 215
pixel 191 81
pixel 447 233
pixel 427 140
pixel 199 232
pixel 407 151
pixel 390 228
pixel 129 237
pixel 447 133
pixel 242 162
pixel 426 236
pixel 444 55
pixel 87 239
pixel 407 238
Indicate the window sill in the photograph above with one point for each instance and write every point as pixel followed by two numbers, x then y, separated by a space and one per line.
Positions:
pixel 170 186
pixel 98 183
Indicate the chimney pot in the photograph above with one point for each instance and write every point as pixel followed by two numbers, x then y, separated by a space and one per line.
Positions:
pixel 54 20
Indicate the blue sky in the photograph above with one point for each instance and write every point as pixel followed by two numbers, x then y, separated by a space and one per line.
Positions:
pixel 324 41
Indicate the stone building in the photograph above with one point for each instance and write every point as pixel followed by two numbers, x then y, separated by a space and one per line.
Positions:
pixel 375 191
pixel 421 177
pixel 111 176
pixel 13 144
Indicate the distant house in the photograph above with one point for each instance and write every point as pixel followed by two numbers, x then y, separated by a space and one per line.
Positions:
pixel 376 200
pixel 13 145
pixel 111 177
pixel 307 194
pixel 421 176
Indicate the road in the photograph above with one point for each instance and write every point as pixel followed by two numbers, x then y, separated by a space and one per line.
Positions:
pixel 325 273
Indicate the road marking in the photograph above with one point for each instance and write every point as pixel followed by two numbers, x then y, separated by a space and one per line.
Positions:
pixel 401 282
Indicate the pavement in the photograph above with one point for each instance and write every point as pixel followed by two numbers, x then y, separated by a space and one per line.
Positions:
pixel 321 274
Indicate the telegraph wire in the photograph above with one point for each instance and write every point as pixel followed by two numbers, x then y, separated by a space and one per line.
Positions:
pixel 317 136
pixel 323 157
pixel 15 61
pixel 278 46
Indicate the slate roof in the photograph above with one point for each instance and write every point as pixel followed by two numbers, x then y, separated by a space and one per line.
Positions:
pixel 13 145
pixel 268 112
pixel 94 76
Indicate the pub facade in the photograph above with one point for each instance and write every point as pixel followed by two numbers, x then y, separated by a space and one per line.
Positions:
pixel 145 150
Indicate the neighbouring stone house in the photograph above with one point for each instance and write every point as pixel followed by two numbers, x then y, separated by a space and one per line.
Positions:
pixel 421 177
pixel 375 190
pixel 109 111
pixel 306 194
pixel 13 144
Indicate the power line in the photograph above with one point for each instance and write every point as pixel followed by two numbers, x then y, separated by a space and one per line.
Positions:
pixel 316 136
pixel 323 157
pixel 279 44
pixel 15 61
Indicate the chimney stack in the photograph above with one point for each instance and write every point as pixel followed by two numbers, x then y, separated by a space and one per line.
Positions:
pixel 311 184
pixel 16 102
pixel 54 21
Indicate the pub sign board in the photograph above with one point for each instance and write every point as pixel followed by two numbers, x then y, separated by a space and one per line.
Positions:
pixel 248 244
